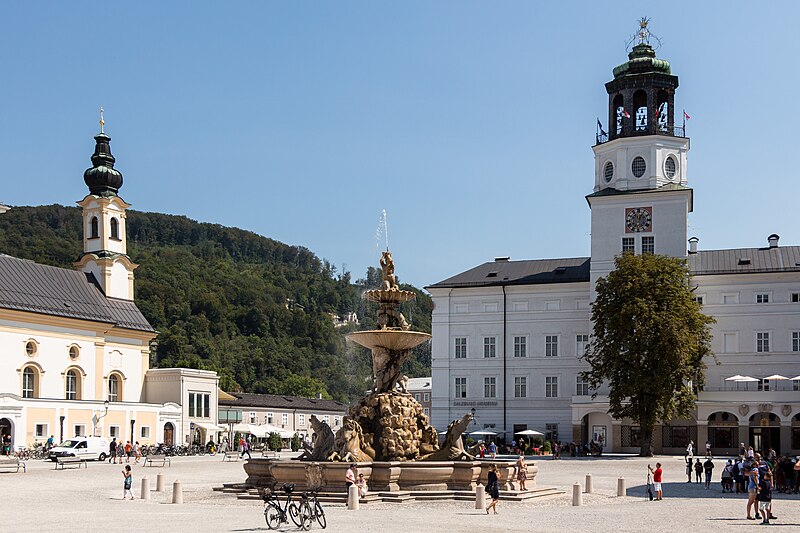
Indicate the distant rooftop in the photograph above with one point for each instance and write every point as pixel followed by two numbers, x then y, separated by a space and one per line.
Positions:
pixel 280 401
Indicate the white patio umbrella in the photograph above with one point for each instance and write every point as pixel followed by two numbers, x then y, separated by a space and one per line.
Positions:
pixel 776 377
pixel 746 379
pixel 796 378
pixel 483 432
pixel 737 377
pixel 529 432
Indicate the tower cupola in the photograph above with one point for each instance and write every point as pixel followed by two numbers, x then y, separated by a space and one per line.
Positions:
pixel 103 179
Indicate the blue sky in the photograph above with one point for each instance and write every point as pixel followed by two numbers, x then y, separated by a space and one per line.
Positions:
pixel 471 123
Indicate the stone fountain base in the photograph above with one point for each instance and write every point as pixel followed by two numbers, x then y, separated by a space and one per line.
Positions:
pixel 390 476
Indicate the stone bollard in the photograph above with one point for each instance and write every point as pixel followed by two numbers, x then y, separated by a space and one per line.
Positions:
pixel 480 497
pixel 621 486
pixel 352 498
pixel 160 483
pixel 145 495
pixel 177 492
pixel 588 483
pixel 577 495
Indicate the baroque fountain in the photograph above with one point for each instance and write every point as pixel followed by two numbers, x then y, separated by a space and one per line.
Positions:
pixel 386 433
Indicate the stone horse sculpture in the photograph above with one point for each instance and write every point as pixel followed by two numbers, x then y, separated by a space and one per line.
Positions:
pixel 324 443
pixel 453 447
pixel 350 443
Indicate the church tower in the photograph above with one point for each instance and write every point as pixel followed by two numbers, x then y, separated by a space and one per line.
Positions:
pixel 104 247
pixel 641 200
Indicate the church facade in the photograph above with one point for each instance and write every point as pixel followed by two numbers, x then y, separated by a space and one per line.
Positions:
pixel 508 336
pixel 76 349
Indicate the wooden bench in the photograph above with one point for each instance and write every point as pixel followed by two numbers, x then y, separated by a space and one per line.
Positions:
pixel 163 459
pixel 272 454
pixel 13 462
pixel 63 462
pixel 230 456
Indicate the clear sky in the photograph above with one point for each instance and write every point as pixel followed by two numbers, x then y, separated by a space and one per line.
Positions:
pixel 471 123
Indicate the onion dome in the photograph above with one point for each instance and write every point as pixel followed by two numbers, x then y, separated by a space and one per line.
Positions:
pixel 103 179
pixel 641 60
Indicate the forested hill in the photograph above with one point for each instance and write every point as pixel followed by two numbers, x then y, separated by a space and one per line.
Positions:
pixel 255 310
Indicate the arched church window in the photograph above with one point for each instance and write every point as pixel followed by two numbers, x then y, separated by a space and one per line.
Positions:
pixel 72 385
pixel 30 382
pixel 619 109
pixel 662 110
pixel 640 106
pixel 114 228
pixel 114 388
pixel 95 228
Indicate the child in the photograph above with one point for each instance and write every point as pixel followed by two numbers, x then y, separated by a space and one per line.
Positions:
pixel 128 482
pixel 764 497
pixel 362 486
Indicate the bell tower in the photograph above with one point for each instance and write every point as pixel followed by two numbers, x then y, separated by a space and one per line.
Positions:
pixel 104 234
pixel 641 200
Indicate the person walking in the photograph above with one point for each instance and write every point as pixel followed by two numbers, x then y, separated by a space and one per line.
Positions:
pixel 112 451
pixel 245 450
pixel 493 449
pixel 128 451
pixel 120 451
pixel 522 472
pixel 708 448
pixel 690 450
pixel 708 469
pixel 137 452
pixel 657 473
pixel 128 482
pixel 698 472
pixel 493 488
pixel 727 477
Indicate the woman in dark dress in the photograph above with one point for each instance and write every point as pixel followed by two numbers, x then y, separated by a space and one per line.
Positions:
pixel 493 488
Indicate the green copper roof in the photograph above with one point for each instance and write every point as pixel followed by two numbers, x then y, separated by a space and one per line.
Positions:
pixel 642 60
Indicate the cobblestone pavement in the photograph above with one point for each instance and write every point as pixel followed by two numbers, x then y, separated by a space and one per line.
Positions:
pixel 91 500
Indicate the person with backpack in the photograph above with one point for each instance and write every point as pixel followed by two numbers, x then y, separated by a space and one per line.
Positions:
pixel 727 477
pixel 708 469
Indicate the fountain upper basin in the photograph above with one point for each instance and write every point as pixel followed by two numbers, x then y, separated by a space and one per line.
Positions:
pixel 389 339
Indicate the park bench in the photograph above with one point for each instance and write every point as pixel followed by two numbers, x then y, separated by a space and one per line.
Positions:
pixel 163 459
pixel 13 462
pixel 271 454
pixel 63 462
pixel 230 456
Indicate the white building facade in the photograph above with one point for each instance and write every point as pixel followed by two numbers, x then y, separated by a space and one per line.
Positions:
pixel 508 336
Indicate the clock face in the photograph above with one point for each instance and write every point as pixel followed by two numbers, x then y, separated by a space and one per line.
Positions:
pixel 638 219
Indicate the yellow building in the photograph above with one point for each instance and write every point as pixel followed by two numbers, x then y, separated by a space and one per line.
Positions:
pixel 76 349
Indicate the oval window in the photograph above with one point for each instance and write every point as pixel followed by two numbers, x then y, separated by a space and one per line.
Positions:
pixel 30 348
pixel 73 352
pixel 638 166
pixel 670 167
pixel 608 171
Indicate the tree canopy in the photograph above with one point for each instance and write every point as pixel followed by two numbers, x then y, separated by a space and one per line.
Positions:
pixel 649 341
pixel 257 311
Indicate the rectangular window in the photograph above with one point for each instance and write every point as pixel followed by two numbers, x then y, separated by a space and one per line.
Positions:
pixel 648 245
pixel 762 342
pixel 426 397
pixel 206 406
pixel 80 430
pixel 461 347
pixel 253 417
pixel 700 299
pixel 113 431
pixel 270 418
pixel 551 387
pixel 551 345
pixel 336 421
pixel 490 346
pixel 796 384
pixel 520 387
pixel 763 384
pixel 489 387
pixel 628 245
pixel 285 418
pixel 41 430
pixel 191 404
pixel 730 342
pixel 325 418
pixel 426 411
pixel 460 387
pixel 796 341
pixel 551 431
pixel 145 432
pixel 794 297
pixel 762 298
pixel 520 347
pixel 581 344
pixel 417 396
pixel 301 420
pixel 581 387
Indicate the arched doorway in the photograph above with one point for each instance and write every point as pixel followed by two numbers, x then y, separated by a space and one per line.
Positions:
pixel 765 432
pixel 6 436
pixel 169 434
pixel 723 432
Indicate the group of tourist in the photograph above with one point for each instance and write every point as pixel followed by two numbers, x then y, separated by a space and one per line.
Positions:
pixel 352 477
pixel 118 451
pixel 5 449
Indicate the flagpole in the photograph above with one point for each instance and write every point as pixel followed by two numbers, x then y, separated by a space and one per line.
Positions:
pixel 684 123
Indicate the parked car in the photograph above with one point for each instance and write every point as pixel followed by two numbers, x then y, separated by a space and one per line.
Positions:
pixel 84 447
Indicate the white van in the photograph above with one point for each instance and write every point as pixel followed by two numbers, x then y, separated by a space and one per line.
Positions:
pixel 83 447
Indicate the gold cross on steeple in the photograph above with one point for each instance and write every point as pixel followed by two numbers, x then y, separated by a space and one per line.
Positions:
pixel 102 122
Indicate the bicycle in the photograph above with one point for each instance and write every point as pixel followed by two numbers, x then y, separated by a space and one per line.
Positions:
pixel 314 507
pixel 275 515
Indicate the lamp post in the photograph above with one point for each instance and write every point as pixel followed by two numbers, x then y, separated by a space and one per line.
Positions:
pixel 96 419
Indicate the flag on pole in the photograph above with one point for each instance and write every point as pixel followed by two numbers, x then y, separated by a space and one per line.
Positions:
pixel 625 114
pixel 600 126
pixel 686 115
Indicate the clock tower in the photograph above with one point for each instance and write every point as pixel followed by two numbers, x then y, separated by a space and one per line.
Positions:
pixel 641 200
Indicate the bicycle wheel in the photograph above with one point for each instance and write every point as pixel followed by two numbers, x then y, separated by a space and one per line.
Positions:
pixel 320 514
pixel 306 516
pixel 294 514
pixel 273 516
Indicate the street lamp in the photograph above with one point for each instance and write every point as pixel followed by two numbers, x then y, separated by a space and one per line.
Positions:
pixel 473 416
pixel 96 419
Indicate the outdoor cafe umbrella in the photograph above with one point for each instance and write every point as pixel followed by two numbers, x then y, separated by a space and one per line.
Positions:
pixel 529 432
pixel 746 379
pixel 776 377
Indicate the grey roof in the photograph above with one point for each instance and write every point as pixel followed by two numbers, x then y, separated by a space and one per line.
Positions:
pixel 49 290
pixel 745 260
pixel 538 271
pixel 277 401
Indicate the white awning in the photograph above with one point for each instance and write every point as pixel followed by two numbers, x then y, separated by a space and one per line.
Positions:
pixel 210 427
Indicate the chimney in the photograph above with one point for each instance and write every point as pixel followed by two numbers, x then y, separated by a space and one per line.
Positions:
pixel 504 259
pixel 319 396
pixel 773 240
pixel 693 245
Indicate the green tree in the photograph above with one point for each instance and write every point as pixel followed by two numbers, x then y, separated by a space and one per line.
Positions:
pixel 275 442
pixel 649 341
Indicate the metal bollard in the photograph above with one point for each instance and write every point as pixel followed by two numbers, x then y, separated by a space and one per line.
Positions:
pixel 160 483
pixel 621 486
pixel 145 495
pixel 352 498
pixel 577 495
pixel 177 492
pixel 480 497
pixel 588 483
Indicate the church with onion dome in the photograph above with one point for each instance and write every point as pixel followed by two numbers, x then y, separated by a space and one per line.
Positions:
pixel 509 335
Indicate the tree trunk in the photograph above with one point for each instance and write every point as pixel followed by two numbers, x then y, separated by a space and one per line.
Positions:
pixel 647 442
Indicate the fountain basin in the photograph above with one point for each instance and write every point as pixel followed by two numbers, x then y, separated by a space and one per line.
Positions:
pixel 389 295
pixel 390 339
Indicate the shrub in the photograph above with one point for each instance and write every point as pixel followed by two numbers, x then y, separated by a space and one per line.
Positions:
pixel 275 442
pixel 296 442
pixel 546 447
